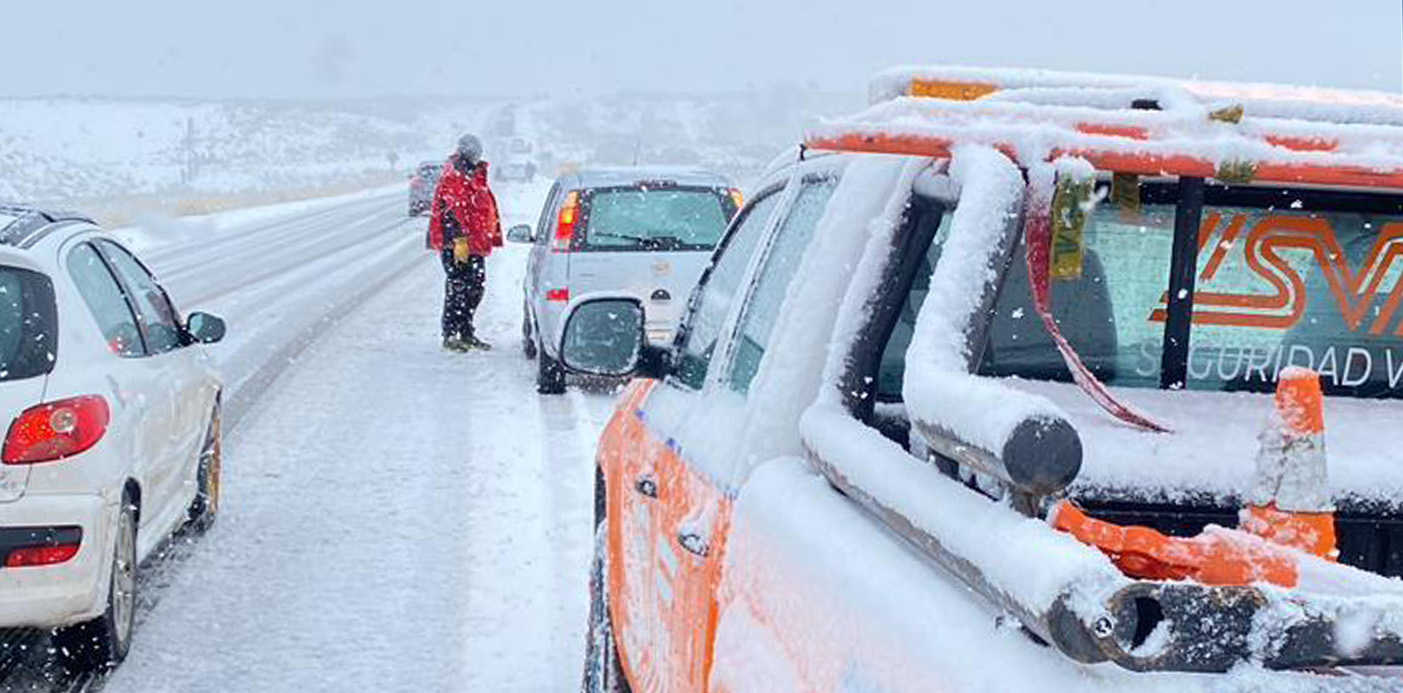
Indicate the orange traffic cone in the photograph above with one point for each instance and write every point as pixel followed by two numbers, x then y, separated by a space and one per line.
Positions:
pixel 1289 506
pixel 1290 501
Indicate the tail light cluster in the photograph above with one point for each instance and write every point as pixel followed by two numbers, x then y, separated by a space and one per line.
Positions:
pixel 31 556
pixel 565 226
pixel 29 548
pixel 737 197
pixel 56 430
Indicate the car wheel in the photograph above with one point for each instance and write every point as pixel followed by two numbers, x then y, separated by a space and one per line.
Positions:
pixel 604 673
pixel 205 507
pixel 528 340
pixel 550 375
pixel 103 642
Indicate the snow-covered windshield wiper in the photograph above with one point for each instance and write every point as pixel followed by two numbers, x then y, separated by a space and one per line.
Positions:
pixel 641 240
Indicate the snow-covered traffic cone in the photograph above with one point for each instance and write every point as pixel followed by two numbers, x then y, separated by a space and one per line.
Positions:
pixel 1290 502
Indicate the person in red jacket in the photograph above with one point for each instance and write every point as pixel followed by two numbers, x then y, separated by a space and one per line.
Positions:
pixel 464 228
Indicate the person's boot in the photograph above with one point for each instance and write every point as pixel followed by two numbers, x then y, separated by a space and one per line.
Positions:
pixel 455 344
pixel 473 342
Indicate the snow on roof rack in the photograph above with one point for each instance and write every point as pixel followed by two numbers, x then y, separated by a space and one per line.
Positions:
pixel 1339 106
pixel 1142 125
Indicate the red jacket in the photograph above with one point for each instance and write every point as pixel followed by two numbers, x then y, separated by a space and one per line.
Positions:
pixel 474 209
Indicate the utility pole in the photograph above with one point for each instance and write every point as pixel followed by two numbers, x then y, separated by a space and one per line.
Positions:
pixel 187 172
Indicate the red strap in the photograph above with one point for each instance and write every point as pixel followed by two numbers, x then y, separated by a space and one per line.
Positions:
pixel 1037 233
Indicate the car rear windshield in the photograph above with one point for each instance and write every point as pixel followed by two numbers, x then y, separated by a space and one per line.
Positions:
pixel 28 324
pixel 655 218
pixel 1283 278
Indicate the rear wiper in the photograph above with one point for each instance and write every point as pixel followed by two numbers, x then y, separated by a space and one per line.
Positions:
pixel 624 236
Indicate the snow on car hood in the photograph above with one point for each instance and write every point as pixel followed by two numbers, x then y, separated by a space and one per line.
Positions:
pixel 1213 444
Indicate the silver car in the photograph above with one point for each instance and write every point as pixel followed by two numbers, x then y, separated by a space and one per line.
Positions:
pixel 422 184
pixel 643 232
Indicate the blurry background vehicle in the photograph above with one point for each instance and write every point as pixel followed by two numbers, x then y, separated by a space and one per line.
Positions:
pixel 422 184
pixel 641 232
pixel 518 163
pixel 114 436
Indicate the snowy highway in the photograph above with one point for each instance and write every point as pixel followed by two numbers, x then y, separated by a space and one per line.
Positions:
pixel 395 517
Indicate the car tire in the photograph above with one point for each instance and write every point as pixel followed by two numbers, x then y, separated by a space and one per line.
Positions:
pixel 205 507
pixel 550 375
pixel 603 671
pixel 103 642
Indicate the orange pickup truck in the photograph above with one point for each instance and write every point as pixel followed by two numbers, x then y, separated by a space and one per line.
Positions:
pixel 977 395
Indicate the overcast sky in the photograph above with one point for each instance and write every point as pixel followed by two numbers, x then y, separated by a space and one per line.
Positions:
pixel 341 48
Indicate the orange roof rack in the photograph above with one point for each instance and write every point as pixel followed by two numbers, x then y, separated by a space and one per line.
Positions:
pixel 1140 125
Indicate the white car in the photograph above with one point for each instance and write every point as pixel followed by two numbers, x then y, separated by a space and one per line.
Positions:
pixel 644 232
pixel 113 440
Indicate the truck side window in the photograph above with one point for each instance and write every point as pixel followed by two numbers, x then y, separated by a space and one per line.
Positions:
pixel 781 262
pixel 892 370
pixel 720 286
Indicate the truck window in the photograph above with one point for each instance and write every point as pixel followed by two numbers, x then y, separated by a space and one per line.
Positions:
pixel 1283 278
pixel 1103 313
pixel 892 369
pixel 719 286
pixel 781 262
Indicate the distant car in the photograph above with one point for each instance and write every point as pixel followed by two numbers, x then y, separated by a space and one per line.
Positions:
pixel 641 232
pixel 516 170
pixel 422 184
pixel 114 438
pixel 518 164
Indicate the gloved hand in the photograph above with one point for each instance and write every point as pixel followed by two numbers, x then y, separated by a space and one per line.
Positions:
pixel 460 250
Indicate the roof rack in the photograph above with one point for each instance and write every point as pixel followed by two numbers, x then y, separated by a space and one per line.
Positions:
pixel 28 220
pixel 16 209
pixel 1141 125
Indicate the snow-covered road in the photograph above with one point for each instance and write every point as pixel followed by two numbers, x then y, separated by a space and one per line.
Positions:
pixel 395 517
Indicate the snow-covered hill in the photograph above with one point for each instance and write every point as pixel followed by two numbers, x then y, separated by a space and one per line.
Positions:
pixel 78 150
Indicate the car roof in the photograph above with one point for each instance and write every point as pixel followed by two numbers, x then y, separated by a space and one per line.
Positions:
pixel 21 226
pixel 603 177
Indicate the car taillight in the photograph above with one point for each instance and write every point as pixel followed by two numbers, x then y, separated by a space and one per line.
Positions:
pixel 558 295
pixel 56 430
pixel 737 197
pixel 565 228
pixel 31 556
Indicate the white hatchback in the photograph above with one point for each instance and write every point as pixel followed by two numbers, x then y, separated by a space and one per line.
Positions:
pixel 113 436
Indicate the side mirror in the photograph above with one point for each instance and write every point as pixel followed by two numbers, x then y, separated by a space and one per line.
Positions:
pixel 521 233
pixel 606 337
pixel 205 328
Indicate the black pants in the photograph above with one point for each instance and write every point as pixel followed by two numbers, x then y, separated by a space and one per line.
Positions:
pixel 462 292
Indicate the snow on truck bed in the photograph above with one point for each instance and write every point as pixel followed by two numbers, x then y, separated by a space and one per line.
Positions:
pixel 1212 448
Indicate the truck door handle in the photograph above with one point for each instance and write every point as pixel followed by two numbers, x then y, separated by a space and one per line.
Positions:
pixel 694 543
pixel 646 486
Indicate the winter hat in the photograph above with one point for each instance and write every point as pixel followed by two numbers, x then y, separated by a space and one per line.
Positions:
pixel 470 148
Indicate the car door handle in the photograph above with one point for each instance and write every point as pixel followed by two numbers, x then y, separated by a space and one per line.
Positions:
pixel 647 486
pixel 694 543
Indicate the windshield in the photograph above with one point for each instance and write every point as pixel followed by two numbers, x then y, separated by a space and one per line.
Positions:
pixel 27 324
pixel 642 218
pixel 1284 278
